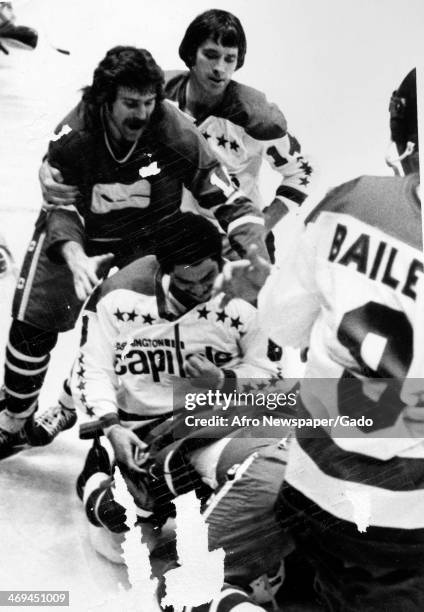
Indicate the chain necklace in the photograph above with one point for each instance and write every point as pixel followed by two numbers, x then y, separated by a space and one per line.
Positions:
pixel 109 147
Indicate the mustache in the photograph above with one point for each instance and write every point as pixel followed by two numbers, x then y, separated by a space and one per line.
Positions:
pixel 135 124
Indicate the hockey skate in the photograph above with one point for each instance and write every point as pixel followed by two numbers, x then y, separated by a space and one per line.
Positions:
pixel 43 428
pixel 12 434
pixel 14 35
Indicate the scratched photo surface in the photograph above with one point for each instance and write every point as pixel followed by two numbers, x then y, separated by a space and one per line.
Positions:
pixel 330 65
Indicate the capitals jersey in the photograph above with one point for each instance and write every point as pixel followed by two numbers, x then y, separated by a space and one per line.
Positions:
pixel 126 201
pixel 242 131
pixel 351 292
pixel 135 346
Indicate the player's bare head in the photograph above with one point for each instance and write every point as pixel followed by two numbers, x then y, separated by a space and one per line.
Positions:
pixel 188 242
pixel 220 26
pixel 124 67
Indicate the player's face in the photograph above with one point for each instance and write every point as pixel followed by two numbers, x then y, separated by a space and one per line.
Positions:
pixel 130 113
pixel 193 284
pixel 214 66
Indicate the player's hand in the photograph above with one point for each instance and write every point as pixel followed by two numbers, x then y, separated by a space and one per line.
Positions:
pixel 203 373
pixel 126 444
pixel 54 191
pixel 243 279
pixel 274 213
pixel 87 271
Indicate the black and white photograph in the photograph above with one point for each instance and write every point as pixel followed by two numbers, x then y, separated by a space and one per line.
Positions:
pixel 212 306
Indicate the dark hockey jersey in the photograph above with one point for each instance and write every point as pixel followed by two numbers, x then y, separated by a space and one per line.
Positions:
pixel 242 131
pixel 352 291
pixel 132 198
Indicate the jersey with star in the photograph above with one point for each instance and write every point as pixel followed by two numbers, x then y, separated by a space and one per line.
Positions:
pixel 130 199
pixel 135 349
pixel 243 130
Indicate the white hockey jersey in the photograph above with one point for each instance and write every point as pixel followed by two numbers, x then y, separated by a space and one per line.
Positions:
pixel 242 131
pixel 350 291
pixel 134 349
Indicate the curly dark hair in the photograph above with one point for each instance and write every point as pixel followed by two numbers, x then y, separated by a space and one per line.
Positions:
pixel 220 26
pixel 123 67
pixel 188 241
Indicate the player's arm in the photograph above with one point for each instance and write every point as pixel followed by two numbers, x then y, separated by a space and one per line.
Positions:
pixel 65 241
pixel 284 156
pixel 286 294
pixel 94 379
pixel 66 223
pixel 55 192
pixel 244 224
pixel 288 303
pixel 57 189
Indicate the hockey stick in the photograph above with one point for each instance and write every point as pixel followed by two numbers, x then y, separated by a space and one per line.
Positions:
pixel 59 50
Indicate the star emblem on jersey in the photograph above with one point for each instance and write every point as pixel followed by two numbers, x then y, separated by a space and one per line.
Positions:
pixel 119 315
pixel 222 141
pixel 234 146
pixel 81 386
pixel 307 168
pixel 148 319
pixel 131 315
pixel 221 316
pixel 236 322
pixel 206 135
pixel 305 181
pixel 203 313
pixel 261 386
pixel 248 388
pixel 273 381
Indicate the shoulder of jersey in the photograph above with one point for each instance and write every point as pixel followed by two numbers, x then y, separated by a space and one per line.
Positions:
pixel 72 127
pixel 178 132
pixel 388 203
pixel 138 277
pixel 250 109
pixel 173 81
pixel 242 105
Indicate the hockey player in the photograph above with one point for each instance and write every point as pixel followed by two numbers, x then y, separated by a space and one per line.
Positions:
pixel 152 334
pixel 12 34
pixel 404 123
pixel 130 153
pixel 240 125
pixel 149 325
pixel 353 294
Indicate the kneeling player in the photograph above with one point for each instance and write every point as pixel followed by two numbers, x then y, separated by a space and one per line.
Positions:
pixel 153 333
